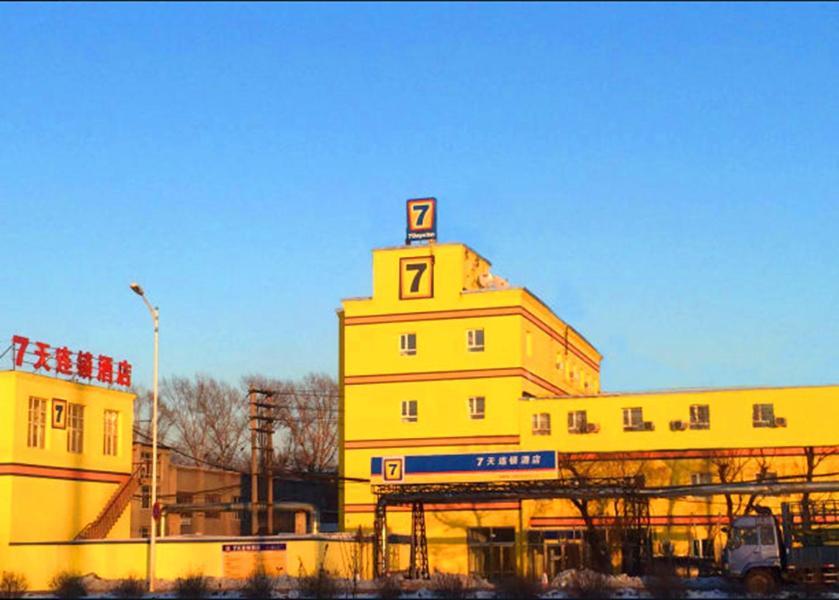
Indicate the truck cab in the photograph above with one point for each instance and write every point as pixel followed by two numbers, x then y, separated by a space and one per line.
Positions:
pixel 754 552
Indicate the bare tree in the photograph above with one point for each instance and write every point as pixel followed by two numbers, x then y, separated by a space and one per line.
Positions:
pixel 813 458
pixel 208 421
pixel 731 469
pixel 143 400
pixel 307 416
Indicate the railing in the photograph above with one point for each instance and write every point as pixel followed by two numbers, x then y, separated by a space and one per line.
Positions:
pixel 110 514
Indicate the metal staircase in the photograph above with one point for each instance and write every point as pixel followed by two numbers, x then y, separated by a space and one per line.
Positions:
pixel 98 528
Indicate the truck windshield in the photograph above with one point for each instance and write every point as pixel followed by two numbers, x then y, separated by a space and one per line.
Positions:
pixel 743 535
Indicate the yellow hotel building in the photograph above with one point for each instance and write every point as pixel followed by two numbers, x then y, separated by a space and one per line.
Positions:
pixel 449 374
pixel 65 453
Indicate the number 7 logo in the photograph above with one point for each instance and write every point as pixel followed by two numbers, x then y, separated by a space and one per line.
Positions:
pixel 422 214
pixel 416 277
pixel 59 413
pixel 392 469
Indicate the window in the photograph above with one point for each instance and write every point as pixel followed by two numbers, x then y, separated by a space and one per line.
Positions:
pixel 212 499
pixel 767 535
pixel 577 422
pixel 763 415
pixel 144 532
pixel 111 433
pixel 475 340
pixel 476 407
pixel 409 411
pixel 702 548
pixel 237 514
pixel 183 498
pixel 633 419
pixel 408 344
pixel 541 424
pixel 75 427
pixel 559 364
pixel 145 496
pixel 700 478
pixel 37 422
pixel 186 525
pixel 700 416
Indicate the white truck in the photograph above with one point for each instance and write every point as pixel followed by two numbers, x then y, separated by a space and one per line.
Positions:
pixel 803 547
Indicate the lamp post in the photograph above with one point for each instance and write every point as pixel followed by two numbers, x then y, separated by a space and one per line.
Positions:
pixel 155 315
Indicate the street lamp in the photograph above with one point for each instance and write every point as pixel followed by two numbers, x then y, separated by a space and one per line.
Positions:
pixel 155 315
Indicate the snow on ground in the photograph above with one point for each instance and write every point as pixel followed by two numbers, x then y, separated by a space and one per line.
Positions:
pixel 565 585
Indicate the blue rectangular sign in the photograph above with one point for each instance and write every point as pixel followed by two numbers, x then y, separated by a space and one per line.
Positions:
pixel 472 463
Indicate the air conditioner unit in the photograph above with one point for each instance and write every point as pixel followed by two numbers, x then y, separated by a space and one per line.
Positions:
pixel 780 422
pixel 649 426
pixel 678 425
pixel 593 428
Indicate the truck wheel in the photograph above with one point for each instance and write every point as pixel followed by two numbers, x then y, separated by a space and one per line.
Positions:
pixel 760 582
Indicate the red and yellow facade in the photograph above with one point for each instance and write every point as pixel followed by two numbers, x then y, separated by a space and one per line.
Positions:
pixel 427 399
pixel 52 486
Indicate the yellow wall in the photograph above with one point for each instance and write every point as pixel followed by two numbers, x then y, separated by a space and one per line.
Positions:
pixel 113 560
pixel 53 493
pixel 545 357
pixel 811 414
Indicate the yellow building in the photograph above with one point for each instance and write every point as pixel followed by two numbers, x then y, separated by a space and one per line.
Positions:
pixel 65 451
pixel 449 374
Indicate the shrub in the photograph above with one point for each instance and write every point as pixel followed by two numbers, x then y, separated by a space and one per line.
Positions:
pixel 192 586
pixel 319 585
pixel 388 587
pixel 518 587
pixel 587 584
pixel 12 585
pixel 130 587
pixel 449 585
pixel 68 585
pixel 258 585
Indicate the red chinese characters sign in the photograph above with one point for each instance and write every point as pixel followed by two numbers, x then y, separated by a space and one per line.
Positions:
pixel 63 361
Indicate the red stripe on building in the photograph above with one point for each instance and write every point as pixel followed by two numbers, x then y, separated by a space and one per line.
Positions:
pixel 449 375
pixel 23 470
pixel 480 440
pixel 695 453
pixel 467 313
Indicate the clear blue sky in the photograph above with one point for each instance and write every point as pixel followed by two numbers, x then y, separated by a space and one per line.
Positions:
pixel 665 177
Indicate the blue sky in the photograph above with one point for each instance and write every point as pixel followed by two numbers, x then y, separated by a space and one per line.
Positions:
pixel 664 176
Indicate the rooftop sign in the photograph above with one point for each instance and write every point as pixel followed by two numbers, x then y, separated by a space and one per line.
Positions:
pixel 422 220
pixel 42 358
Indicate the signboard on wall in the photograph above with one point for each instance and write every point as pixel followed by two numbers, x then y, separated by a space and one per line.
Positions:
pixel 240 560
pixel 397 469
pixel 422 220
pixel 43 358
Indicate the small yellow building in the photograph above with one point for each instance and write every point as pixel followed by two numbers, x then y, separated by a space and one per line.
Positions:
pixel 65 452
pixel 449 374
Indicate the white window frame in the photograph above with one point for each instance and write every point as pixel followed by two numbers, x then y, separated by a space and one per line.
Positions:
pixel 696 417
pixel 477 407
pixel 37 424
pixel 630 422
pixel 577 421
pixel 759 418
pixel 472 342
pixel 75 427
pixel 405 346
pixel 410 411
pixel 110 442
pixel 541 423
